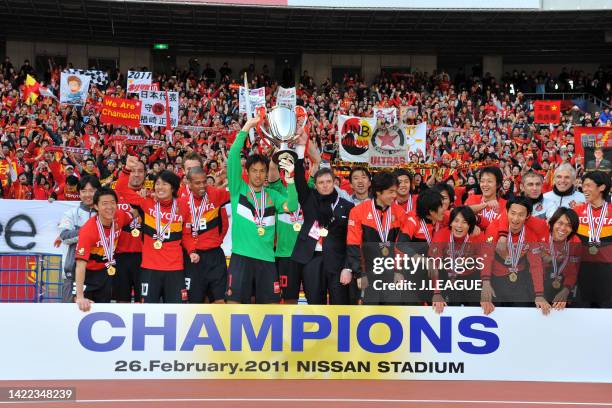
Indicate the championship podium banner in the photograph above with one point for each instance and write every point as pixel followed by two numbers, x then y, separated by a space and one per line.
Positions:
pixel 58 342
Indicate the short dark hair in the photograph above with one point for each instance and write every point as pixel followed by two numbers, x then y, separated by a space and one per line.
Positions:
pixel 600 178
pixel 89 179
pixel 571 216
pixel 359 168
pixel 440 187
pixel 383 181
pixel 403 172
pixel 428 200
pixel 495 172
pixel 256 158
pixel 104 191
pixel 520 200
pixel 468 216
pixel 72 180
pixel 170 178
pixel 322 172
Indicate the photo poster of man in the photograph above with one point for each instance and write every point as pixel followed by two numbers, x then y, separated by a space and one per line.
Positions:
pixel 596 147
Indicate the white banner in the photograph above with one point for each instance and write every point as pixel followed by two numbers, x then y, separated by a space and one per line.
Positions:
pixel 125 341
pixel 385 115
pixel 416 138
pixel 286 97
pixel 74 88
pixel 388 145
pixel 140 81
pixel 354 136
pixel 258 99
pixel 155 107
pixel 31 225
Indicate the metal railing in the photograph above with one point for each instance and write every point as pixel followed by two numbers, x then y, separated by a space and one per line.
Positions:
pixel 30 277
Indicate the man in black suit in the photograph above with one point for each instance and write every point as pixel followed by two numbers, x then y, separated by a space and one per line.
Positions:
pixel 600 162
pixel 321 243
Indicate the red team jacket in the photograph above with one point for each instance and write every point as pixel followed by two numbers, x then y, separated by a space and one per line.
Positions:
pixel 89 248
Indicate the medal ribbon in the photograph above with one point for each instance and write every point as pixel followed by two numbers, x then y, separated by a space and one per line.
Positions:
pixel 596 227
pixel 160 231
pixel 382 233
pixel 260 207
pixel 297 215
pixel 515 250
pixel 558 270
pixel 108 244
pixel 426 231
pixel 451 245
pixel 196 215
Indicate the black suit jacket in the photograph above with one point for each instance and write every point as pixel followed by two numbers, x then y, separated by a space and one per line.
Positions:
pixel 334 245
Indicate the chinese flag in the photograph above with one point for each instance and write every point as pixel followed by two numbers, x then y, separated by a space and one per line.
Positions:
pixel 547 111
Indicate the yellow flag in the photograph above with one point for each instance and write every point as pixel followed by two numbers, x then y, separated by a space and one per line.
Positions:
pixel 31 90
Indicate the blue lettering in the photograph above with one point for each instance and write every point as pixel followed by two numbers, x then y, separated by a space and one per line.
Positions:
pixel 85 329
pixel 344 333
pixel 491 339
pixel 395 338
pixel 193 336
pixel 442 343
pixel 240 322
pixel 168 330
pixel 298 335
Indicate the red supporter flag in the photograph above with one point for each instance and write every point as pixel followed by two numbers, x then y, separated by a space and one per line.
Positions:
pixel 547 111
pixel 591 137
pixel 121 112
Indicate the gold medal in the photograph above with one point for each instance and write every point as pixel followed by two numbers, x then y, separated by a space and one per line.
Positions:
pixel 297 227
pixel 261 231
pixel 157 245
pixel 513 277
pixel 135 233
pixel 556 283
pixel 323 232
pixel 385 251
pixel 111 270
pixel 593 250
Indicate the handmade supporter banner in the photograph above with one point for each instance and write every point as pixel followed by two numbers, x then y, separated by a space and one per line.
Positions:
pixel 594 144
pixel 122 112
pixel 157 107
pixel 408 113
pixel 257 98
pixel 354 136
pixel 140 81
pixel 286 97
pixel 388 147
pixel 547 112
pixel 387 115
pixel 74 88
pixel 123 341
pixel 98 78
pixel 31 225
pixel 416 138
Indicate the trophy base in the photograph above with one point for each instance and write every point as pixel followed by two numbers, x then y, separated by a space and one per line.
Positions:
pixel 282 154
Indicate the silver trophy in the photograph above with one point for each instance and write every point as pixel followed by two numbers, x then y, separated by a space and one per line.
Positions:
pixel 281 132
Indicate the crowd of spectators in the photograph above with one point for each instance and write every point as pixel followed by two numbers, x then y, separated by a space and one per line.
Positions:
pixel 492 122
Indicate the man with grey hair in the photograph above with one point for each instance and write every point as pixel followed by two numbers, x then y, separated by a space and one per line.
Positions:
pixel 564 193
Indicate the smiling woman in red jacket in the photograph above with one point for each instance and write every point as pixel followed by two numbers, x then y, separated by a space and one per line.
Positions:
pixel 457 242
